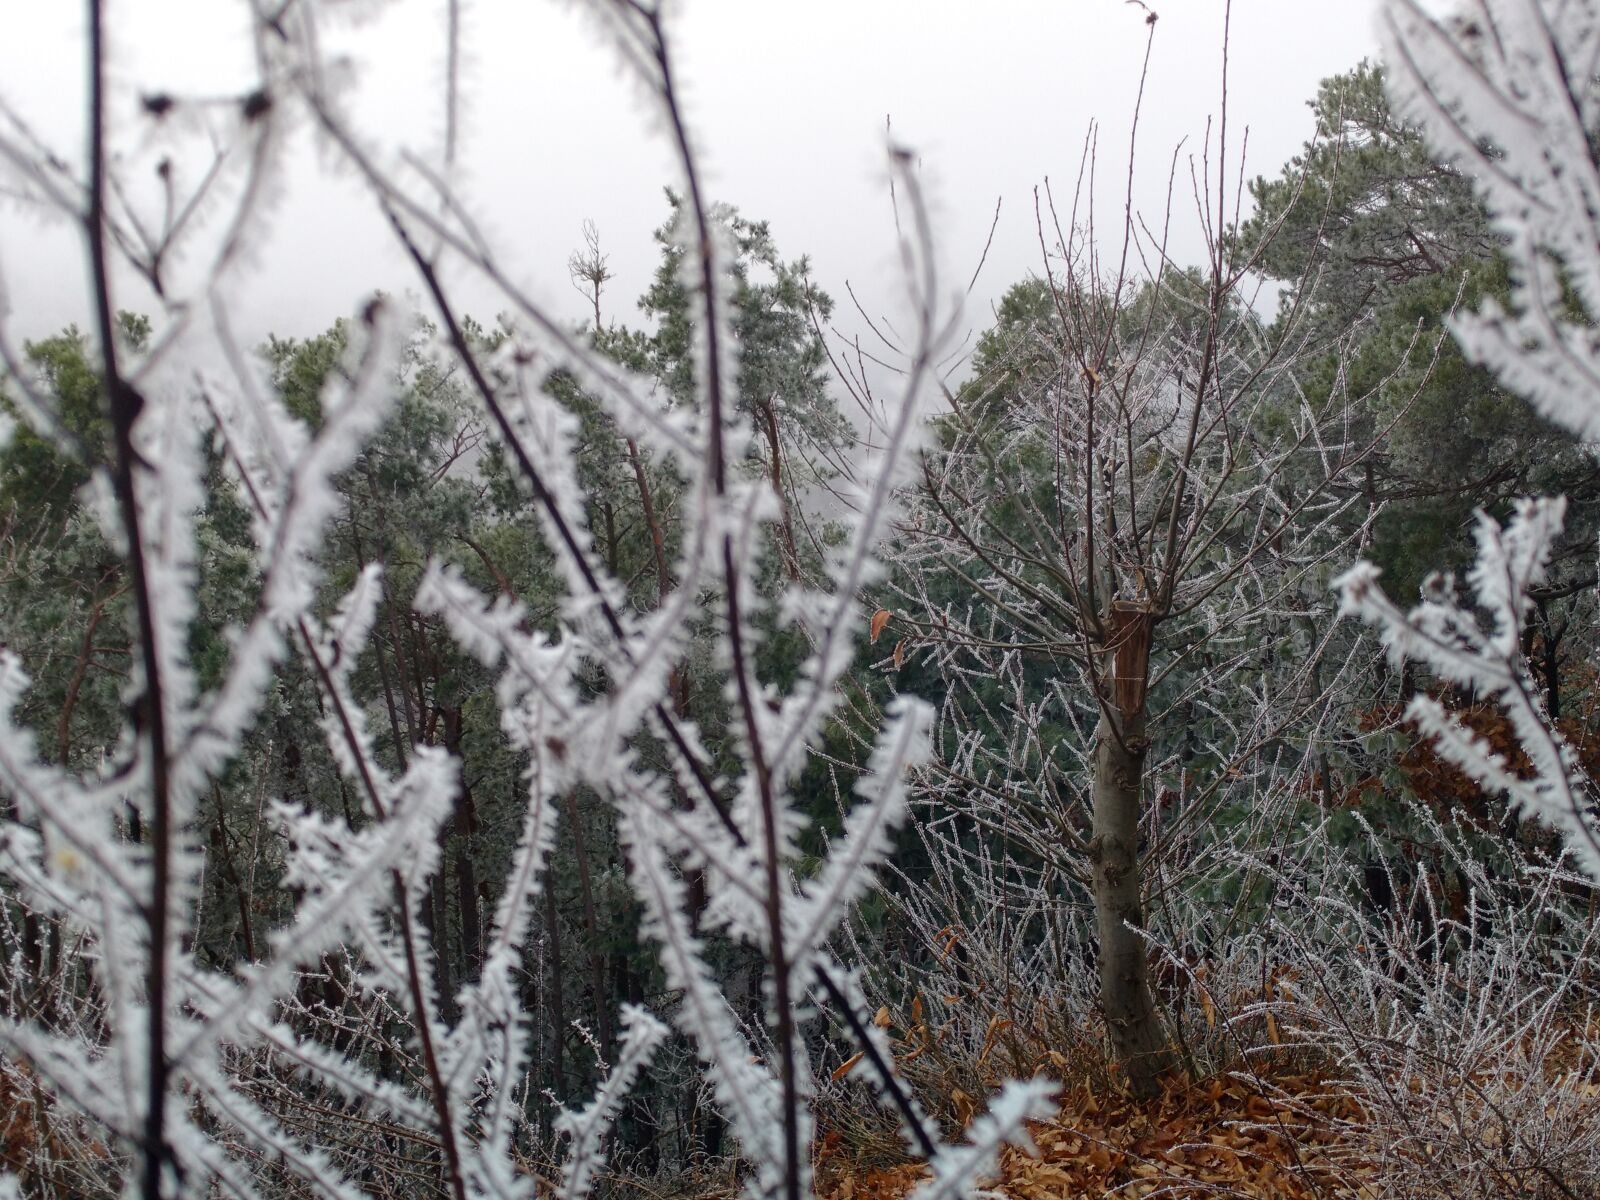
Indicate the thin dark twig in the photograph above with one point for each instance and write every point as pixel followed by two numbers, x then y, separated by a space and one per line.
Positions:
pixel 126 404
pixel 988 242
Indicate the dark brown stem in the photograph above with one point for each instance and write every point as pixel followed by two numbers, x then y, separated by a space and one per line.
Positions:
pixel 240 890
pixel 466 825
pixel 791 557
pixel 501 579
pixel 558 1018
pixel 891 1084
pixel 783 1015
pixel 385 679
pixel 126 404
pixel 439 1092
pixel 75 685
pixel 658 542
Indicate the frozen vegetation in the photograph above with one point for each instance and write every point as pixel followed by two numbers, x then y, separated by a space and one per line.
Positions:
pixel 555 757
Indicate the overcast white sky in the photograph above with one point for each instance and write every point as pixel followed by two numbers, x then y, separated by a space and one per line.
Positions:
pixel 788 99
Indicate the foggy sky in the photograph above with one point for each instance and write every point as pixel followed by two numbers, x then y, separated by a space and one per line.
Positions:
pixel 788 102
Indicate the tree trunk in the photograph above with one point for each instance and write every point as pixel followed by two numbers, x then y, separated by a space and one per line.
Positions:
pixel 466 828
pixel 591 926
pixel 553 996
pixel 1135 1030
pixel 1549 658
pixel 436 919
pixel 791 555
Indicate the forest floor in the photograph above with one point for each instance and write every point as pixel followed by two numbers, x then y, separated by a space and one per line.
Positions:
pixel 1224 1136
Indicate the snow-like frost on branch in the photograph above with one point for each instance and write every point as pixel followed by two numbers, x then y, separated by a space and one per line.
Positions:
pixel 586 1127
pixel 1446 634
pixel 173 1055
pixel 958 1170
pixel 1507 91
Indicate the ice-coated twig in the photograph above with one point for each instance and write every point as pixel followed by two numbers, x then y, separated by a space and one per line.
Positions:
pixel 586 1128
pixel 1448 636
pixel 1506 93
pixel 959 1170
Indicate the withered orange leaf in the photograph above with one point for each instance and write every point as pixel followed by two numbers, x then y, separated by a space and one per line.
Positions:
pixel 879 620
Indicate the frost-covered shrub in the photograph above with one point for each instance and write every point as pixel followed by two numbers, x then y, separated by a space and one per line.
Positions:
pixel 184 1078
pixel 1506 91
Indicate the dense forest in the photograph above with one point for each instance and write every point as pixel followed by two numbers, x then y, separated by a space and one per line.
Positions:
pixel 1149 752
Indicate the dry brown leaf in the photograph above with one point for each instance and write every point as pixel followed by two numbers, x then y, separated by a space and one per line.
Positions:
pixel 964 1106
pixel 843 1068
pixel 879 620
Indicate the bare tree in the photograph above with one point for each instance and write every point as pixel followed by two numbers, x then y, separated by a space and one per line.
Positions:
pixel 1141 505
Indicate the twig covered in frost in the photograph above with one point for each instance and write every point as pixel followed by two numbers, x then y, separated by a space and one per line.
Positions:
pixel 1446 634
pixel 448 1073
pixel 587 1127
pixel 957 1170
pixel 1507 93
